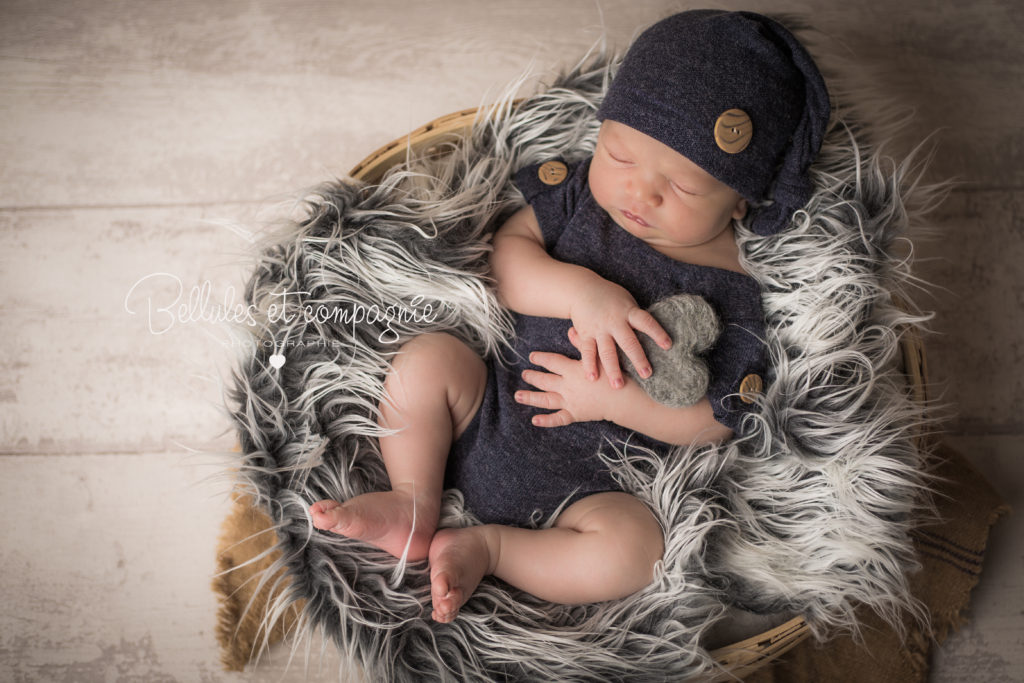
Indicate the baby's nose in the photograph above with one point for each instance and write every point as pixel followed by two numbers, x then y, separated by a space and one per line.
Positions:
pixel 645 193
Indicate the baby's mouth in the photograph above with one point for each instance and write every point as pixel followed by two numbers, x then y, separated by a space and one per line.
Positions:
pixel 636 219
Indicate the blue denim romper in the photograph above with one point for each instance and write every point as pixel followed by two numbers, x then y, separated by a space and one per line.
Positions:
pixel 511 472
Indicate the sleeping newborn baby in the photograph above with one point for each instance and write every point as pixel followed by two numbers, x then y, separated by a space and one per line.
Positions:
pixel 711 114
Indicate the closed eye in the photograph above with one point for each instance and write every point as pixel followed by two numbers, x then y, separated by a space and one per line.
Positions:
pixel 615 158
pixel 681 190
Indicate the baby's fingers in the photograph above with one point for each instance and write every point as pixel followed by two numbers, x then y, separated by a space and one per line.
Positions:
pixel 634 351
pixel 609 355
pixel 552 362
pixel 588 353
pixel 575 339
pixel 559 419
pixel 545 381
pixel 643 321
pixel 539 399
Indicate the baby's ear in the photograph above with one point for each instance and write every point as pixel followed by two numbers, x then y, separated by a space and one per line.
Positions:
pixel 740 210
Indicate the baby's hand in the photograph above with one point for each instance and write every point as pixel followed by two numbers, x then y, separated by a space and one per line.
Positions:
pixel 565 389
pixel 607 317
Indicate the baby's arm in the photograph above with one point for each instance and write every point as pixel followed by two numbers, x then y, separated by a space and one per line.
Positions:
pixel 683 426
pixel 604 314
pixel 564 390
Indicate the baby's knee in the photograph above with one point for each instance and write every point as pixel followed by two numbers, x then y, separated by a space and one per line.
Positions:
pixel 640 546
pixel 432 373
pixel 633 538
pixel 431 352
pixel 435 358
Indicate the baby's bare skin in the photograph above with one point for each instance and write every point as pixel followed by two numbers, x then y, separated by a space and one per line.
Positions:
pixel 459 560
pixel 389 520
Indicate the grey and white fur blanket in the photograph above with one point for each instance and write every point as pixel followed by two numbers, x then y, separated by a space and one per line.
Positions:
pixel 809 513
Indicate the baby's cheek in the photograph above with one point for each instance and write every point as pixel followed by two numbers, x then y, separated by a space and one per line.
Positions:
pixel 600 184
pixel 597 191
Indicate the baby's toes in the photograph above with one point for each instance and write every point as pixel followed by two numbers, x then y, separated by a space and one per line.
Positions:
pixel 446 598
pixel 447 607
pixel 325 514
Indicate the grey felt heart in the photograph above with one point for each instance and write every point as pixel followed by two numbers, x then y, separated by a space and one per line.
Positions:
pixel 680 376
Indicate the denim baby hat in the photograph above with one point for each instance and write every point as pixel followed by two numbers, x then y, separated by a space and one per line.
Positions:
pixel 735 93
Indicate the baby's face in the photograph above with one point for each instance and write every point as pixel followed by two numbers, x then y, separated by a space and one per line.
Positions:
pixel 657 194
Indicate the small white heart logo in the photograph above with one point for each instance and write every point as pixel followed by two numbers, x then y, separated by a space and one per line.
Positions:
pixel 277 360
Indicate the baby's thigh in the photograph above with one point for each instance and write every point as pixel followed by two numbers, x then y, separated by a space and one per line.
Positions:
pixel 632 533
pixel 438 364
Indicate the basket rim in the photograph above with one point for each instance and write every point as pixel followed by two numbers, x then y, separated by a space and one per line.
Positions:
pixel 449 127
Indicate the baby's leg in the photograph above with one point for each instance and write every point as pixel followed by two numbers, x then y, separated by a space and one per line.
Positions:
pixel 603 547
pixel 435 387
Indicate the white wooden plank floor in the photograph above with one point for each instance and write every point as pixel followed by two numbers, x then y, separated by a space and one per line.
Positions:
pixel 143 143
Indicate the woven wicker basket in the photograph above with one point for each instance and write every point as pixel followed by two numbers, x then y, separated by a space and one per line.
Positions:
pixel 740 658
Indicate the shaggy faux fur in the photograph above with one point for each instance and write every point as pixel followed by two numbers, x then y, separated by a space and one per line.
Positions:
pixel 810 513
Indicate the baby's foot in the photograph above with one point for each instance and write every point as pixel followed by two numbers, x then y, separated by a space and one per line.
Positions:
pixel 384 519
pixel 459 558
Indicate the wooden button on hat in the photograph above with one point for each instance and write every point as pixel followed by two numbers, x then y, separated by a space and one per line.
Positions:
pixel 733 131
